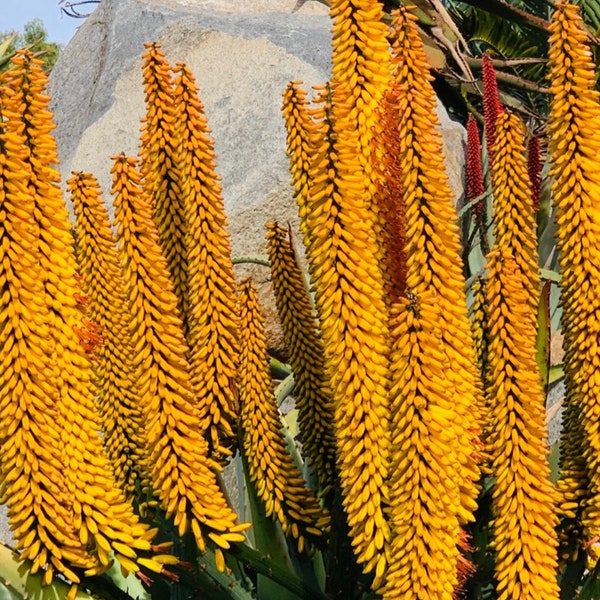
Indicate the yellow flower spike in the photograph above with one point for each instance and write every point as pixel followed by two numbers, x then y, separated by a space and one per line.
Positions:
pixel 514 211
pixel 101 505
pixel 425 466
pixel 300 129
pixel 311 391
pixel 360 76
pixel 211 303
pixel 159 166
pixel 183 476
pixel 433 249
pixel 479 324
pixel 574 143
pixel 34 488
pixel 279 483
pixel 103 284
pixel 523 498
pixel 346 261
pixel 389 197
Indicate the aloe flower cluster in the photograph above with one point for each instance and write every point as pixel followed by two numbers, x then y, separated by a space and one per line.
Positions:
pixel 183 475
pixel 107 307
pixel 278 481
pixel 134 367
pixel 573 143
pixel 69 515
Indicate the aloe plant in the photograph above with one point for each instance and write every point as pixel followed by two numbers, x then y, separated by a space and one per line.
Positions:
pixel 434 478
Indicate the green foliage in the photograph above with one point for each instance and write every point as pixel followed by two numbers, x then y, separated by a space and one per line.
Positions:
pixel 33 37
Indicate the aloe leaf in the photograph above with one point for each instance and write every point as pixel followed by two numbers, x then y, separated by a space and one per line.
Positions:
pixel 284 389
pixel 251 260
pixel 554 461
pixel 556 373
pixel 279 370
pixel 264 565
pixel 270 542
pixel 549 275
pixel 543 335
pixel 546 228
pixel 19 583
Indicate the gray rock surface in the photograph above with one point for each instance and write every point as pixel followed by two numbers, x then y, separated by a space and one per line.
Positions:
pixel 243 54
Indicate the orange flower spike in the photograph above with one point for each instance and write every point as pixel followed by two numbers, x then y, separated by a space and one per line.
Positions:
pixel 311 392
pixel 360 76
pixel 211 300
pixel 160 167
pixel 102 282
pixel 514 216
pixel 34 488
pixel 574 145
pixel 346 267
pixel 101 515
pixel 479 324
pixel 425 467
pixel 389 196
pixel 300 129
pixel 279 483
pixel 433 249
pixel 183 476
pixel 523 498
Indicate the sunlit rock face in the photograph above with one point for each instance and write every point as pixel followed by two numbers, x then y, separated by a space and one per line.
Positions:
pixel 243 54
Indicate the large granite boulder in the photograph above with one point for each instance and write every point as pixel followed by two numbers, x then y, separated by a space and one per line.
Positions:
pixel 243 53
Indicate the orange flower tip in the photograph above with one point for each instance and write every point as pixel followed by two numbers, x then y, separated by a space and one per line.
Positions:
pixel 147 581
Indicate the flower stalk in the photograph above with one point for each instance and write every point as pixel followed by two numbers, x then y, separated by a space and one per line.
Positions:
pixel 573 149
pixel 212 321
pixel 103 284
pixel 311 391
pixel 433 264
pixel 183 476
pixel 279 483
pixel 523 497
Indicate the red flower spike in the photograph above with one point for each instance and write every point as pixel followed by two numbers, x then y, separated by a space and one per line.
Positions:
pixel 492 106
pixel 475 185
pixel 534 168
pixel 474 167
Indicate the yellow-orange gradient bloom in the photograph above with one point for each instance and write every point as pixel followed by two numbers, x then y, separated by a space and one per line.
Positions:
pixel 574 146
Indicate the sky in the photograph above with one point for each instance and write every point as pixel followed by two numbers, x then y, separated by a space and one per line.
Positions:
pixel 15 13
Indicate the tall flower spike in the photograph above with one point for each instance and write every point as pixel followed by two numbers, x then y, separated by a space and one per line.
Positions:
pixel 425 468
pixel 492 106
pixel 514 217
pixel 279 483
pixel 34 487
pixel 300 129
pixel 183 476
pixel 474 177
pixel 523 497
pixel 104 520
pixel 159 166
pixel 311 392
pixel 348 280
pixel 574 145
pixel 433 263
pixel 534 168
pixel 479 324
pixel 211 301
pixel 103 284
pixel 389 197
